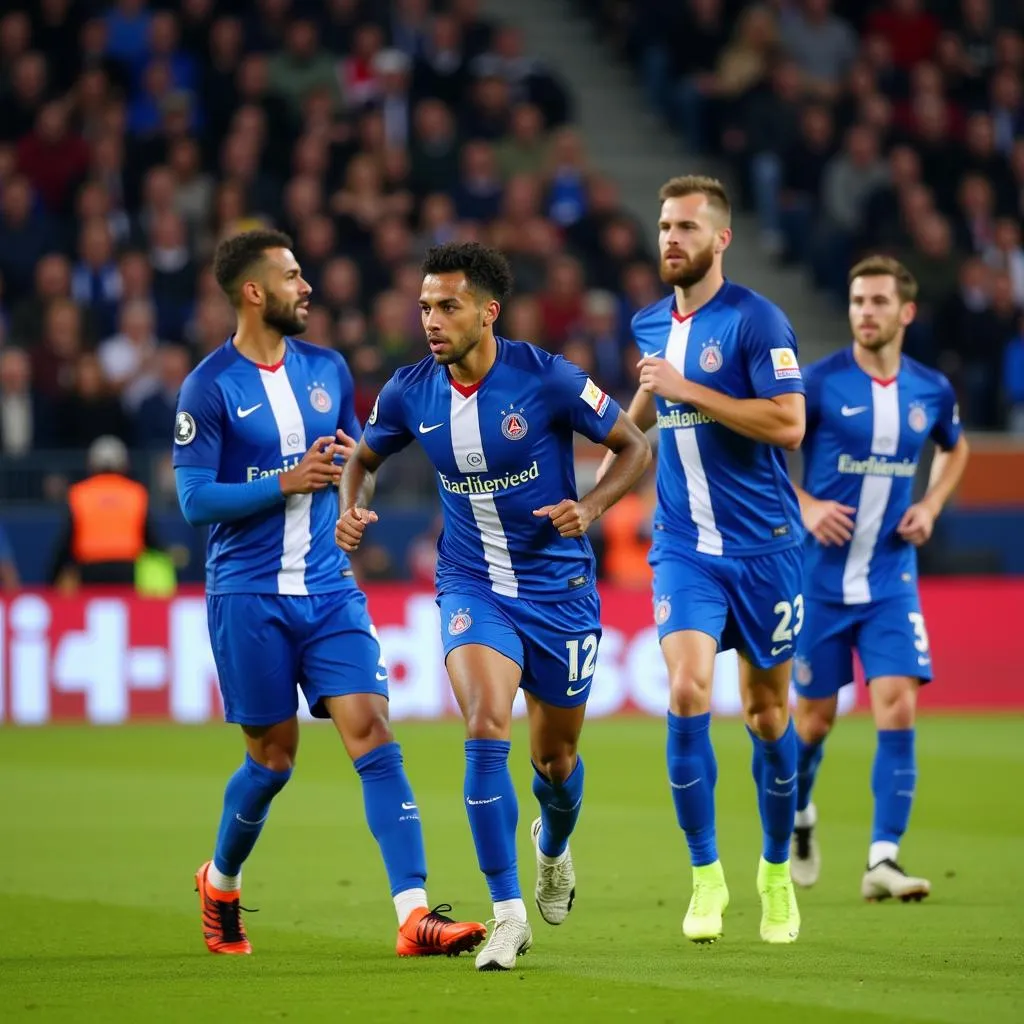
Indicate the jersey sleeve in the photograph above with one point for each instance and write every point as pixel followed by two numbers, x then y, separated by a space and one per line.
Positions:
pixel 198 424
pixel 347 419
pixel 386 432
pixel 947 429
pixel 578 400
pixel 769 346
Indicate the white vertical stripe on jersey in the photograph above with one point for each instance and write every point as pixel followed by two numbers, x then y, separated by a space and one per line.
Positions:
pixel 468 447
pixel 709 539
pixel 874 495
pixel 291 579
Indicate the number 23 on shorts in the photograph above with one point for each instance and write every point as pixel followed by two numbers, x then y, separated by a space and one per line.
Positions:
pixel 791 620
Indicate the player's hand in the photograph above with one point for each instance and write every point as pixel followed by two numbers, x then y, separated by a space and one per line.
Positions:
pixel 347 445
pixel 348 530
pixel 660 377
pixel 570 518
pixel 917 524
pixel 829 522
pixel 316 470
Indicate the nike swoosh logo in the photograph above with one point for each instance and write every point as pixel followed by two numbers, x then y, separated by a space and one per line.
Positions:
pixel 785 782
pixel 382 677
pixel 408 807
pixel 924 661
pixel 684 785
pixel 654 355
pixel 779 650
pixel 242 413
pixel 427 430
pixel 489 800
pixel 573 693
pixel 852 410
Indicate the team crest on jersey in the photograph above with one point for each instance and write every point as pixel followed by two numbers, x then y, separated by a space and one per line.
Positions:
pixel 662 610
pixel 514 425
pixel 319 397
pixel 184 429
pixel 711 356
pixel 917 417
pixel 460 621
pixel 802 673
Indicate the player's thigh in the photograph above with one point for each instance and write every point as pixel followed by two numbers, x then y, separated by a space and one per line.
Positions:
pixel 340 657
pixel 892 640
pixel 823 663
pixel 484 658
pixel 560 647
pixel 691 610
pixel 256 655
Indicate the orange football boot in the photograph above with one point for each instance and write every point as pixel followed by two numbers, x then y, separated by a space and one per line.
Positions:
pixel 222 919
pixel 430 933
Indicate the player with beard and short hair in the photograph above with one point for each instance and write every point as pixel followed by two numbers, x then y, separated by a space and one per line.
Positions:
pixel 870 412
pixel 282 605
pixel 515 571
pixel 720 379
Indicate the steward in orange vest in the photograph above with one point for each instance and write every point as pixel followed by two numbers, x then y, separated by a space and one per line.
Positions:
pixel 108 521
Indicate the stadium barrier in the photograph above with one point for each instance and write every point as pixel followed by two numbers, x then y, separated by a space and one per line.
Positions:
pixel 113 657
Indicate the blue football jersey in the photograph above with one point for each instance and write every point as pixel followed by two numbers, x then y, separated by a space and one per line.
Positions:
pixel 720 493
pixel 863 443
pixel 501 449
pixel 248 421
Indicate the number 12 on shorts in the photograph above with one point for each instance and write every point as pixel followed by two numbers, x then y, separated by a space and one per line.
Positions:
pixel 589 646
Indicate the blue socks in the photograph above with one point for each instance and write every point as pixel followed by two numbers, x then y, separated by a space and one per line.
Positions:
pixel 560 805
pixel 493 815
pixel 775 771
pixel 808 760
pixel 893 778
pixel 246 805
pixel 692 774
pixel 393 817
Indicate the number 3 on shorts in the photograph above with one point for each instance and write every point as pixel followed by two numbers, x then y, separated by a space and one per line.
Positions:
pixel 589 645
pixel 788 613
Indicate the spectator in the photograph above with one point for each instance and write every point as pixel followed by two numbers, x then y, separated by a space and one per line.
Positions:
pixel 154 418
pixel 128 358
pixel 822 44
pixel 89 409
pixel 25 418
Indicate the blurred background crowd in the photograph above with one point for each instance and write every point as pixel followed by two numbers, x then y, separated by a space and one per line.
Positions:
pixel 135 135
pixel 856 126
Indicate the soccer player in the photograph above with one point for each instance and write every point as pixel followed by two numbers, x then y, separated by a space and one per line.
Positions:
pixel 259 425
pixel 870 411
pixel 719 377
pixel 515 571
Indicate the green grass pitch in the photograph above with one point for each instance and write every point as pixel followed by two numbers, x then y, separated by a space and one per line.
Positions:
pixel 103 828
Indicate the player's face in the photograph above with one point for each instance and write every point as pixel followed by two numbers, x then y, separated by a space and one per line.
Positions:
pixel 877 316
pixel 688 235
pixel 286 307
pixel 452 316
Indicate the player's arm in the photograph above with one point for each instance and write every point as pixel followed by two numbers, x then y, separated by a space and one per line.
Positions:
pixel 590 411
pixel 205 500
pixel 355 493
pixel 778 420
pixel 830 522
pixel 947 469
pixel 384 435
pixel 643 413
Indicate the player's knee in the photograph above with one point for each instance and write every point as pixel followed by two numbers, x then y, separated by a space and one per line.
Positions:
pixel 276 758
pixel 556 767
pixel 689 693
pixel 897 710
pixel 488 723
pixel 813 723
pixel 766 714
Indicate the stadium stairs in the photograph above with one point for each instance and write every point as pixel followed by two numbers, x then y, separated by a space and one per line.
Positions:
pixel 628 143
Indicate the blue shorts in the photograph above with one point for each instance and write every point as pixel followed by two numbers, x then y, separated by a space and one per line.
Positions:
pixel 554 642
pixel 752 604
pixel 889 637
pixel 266 644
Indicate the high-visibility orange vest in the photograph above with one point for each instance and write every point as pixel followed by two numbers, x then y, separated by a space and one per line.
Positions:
pixel 625 550
pixel 108 519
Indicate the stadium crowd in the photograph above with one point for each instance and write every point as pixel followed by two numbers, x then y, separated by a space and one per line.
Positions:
pixel 134 135
pixel 895 126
